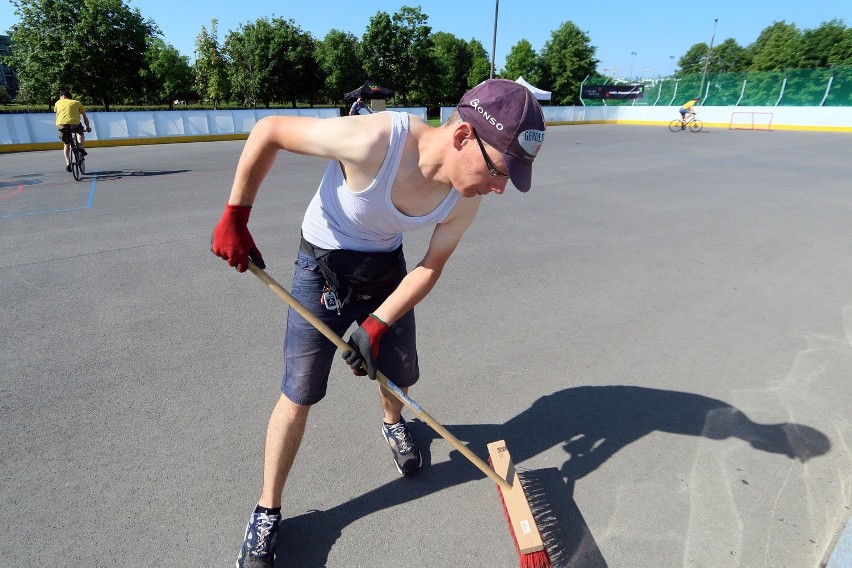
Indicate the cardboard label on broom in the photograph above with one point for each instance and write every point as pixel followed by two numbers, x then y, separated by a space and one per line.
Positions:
pixel 515 501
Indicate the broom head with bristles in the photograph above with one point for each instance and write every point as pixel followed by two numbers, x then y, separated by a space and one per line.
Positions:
pixel 522 525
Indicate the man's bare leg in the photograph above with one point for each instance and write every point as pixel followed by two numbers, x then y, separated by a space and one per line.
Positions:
pixel 283 437
pixel 405 452
pixel 391 406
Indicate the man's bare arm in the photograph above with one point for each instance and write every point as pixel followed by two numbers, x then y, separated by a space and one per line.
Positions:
pixel 419 282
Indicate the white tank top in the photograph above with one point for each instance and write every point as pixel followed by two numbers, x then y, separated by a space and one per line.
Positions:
pixel 367 220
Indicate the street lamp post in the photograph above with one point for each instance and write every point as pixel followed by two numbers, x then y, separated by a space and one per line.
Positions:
pixel 633 53
pixel 494 41
pixel 707 59
pixel 671 66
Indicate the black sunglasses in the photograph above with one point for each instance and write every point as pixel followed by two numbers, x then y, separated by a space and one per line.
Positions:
pixel 491 169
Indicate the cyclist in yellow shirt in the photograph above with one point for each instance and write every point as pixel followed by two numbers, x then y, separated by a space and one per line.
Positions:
pixel 686 109
pixel 68 115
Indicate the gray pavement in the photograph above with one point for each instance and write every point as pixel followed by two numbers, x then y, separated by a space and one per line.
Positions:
pixel 661 330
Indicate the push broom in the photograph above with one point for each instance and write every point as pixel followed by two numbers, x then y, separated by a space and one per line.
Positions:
pixel 522 525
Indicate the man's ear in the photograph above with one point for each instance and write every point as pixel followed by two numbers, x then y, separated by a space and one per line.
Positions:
pixel 462 132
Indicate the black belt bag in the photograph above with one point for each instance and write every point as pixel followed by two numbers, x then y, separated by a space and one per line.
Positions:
pixel 354 273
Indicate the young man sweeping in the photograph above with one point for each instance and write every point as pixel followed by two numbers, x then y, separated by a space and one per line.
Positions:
pixel 388 173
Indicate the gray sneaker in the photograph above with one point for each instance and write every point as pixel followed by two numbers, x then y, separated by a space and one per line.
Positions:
pixel 259 544
pixel 406 456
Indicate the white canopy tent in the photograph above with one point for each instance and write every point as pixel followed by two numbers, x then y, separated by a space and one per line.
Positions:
pixel 537 93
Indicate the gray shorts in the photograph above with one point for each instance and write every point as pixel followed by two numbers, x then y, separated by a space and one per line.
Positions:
pixel 308 355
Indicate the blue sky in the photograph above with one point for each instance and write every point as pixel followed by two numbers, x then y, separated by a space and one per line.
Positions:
pixel 655 30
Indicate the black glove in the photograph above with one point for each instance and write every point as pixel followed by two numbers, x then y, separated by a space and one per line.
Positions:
pixel 365 341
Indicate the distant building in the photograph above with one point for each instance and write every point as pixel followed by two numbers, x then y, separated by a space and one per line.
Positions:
pixel 8 79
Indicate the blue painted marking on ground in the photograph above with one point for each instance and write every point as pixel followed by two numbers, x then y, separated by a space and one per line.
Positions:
pixel 92 190
pixel 842 555
pixel 45 212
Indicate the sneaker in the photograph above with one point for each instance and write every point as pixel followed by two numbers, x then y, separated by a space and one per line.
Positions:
pixel 406 456
pixel 259 545
pixel 68 168
pixel 83 152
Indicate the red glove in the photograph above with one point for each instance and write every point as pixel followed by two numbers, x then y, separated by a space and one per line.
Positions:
pixel 365 341
pixel 232 240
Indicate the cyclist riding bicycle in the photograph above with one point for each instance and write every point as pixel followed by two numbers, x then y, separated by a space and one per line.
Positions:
pixel 68 115
pixel 687 109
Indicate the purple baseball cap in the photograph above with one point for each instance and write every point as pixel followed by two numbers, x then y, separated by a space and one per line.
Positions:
pixel 506 116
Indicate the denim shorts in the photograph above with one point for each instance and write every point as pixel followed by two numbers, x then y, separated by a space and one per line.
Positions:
pixel 308 354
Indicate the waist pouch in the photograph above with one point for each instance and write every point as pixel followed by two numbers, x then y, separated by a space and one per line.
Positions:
pixel 351 272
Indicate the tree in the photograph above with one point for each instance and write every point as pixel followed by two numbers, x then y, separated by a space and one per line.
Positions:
pixel 522 61
pixel 167 74
pixel 776 48
pixel 452 60
pixel 297 75
pixel 376 50
pixel 249 70
pixel 337 58
pixel 693 60
pixel 567 59
pixel 211 71
pixel 95 48
pixel 480 67
pixel 829 45
pixel 729 57
pixel 395 51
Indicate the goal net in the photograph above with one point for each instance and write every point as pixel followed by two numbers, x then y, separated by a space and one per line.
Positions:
pixel 751 121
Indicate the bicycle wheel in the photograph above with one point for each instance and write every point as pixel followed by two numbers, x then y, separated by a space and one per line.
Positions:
pixel 75 163
pixel 696 125
pixel 82 164
pixel 675 125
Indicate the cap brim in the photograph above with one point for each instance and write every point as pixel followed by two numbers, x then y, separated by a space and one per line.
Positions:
pixel 520 172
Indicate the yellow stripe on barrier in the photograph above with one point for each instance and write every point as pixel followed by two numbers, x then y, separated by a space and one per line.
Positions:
pixel 34 147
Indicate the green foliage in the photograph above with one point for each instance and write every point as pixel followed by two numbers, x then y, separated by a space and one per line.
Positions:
pixel 167 74
pixel 453 61
pixel 567 58
pixel 211 67
pixel 522 61
pixel 777 47
pixel 396 52
pixel 107 54
pixel 480 67
pixel 339 65
pixel 829 45
pixel 729 57
pixel 95 48
pixel 693 60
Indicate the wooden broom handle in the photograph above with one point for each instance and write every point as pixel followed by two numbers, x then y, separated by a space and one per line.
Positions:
pixel 387 383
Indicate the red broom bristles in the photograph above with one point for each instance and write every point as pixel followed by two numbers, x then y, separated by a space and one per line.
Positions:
pixel 538 559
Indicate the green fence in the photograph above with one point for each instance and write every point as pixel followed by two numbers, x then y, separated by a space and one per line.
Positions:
pixel 793 87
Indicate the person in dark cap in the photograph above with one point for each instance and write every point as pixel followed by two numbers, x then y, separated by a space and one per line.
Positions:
pixel 388 173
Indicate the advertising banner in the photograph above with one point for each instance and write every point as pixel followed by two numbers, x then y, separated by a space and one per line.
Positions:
pixel 613 91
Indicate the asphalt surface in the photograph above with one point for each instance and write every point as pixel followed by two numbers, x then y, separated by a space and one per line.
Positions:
pixel 661 330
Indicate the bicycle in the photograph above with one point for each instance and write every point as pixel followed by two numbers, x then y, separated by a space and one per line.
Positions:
pixel 77 160
pixel 692 123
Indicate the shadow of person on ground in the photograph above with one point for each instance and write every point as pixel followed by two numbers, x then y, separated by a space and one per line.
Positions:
pixel 590 423
pixel 119 174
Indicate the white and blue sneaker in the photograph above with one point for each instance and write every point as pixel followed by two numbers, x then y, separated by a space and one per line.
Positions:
pixel 406 456
pixel 259 544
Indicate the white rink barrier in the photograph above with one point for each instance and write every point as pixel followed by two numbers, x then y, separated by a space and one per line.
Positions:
pixel 37 131
pixel 835 119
